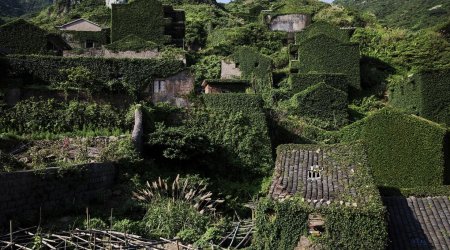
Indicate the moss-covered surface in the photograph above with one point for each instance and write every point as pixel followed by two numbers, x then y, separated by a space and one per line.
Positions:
pixel 404 150
pixel 143 18
pixel 132 43
pixel 324 54
pixel 21 37
pixel 426 94
pixel 321 102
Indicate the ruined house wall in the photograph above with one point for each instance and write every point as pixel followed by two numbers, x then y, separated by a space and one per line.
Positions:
pixel 176 88
pixel 26 194
pixel 290 23
pixel 229 70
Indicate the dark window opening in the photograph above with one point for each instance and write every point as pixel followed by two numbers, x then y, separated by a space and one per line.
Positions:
pixel 89 44
pixel 256 64
pixel 237 65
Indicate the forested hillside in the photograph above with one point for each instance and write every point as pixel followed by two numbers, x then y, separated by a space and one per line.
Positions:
pixel 14 8
pixel 413 14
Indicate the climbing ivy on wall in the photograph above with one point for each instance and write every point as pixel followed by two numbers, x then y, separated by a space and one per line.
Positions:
pixel 323 54
pixel 21 37
pixel 143 18
pixel 323 28
pixel 255 67
pixel 132 75
pixel 426 94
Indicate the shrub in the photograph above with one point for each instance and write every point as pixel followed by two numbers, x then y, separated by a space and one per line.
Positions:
pixel 180 143
pixel 32 115
pixel 181 209
pixel 237 123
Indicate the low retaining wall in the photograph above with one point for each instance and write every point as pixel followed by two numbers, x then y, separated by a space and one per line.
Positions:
pixel 25 195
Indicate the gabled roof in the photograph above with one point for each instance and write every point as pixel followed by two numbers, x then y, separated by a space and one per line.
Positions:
pixel 322 174
pixel 64 26
pixel 419 223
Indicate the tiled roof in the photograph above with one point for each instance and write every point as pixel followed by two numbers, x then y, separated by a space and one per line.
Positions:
pixel 291 176
pixel 419 223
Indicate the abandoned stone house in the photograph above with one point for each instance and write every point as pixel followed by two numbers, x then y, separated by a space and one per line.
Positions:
pixel 318 175
pixel 216 86
pixel 84 34
pixel 173 89
pixel 288 23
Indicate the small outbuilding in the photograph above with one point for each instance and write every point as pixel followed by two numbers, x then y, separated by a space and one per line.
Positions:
pixel 173 89
pixel 84 34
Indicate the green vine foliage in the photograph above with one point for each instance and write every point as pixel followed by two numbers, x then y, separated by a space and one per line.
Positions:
pixel 322 28
pixel 399 146
pixel 322 102
pixel 30 116
pixel 237 123
pixel 21 37
pixel 255 67
pixel 132 43
pixel 425 94
pixel 324 54
pixel 143 18
pixel 128 75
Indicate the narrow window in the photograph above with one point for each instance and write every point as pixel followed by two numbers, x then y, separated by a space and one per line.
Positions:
pixel 314 173
pixel 159 86
pixel 89 44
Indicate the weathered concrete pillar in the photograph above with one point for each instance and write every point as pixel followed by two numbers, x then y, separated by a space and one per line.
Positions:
pixel 138 131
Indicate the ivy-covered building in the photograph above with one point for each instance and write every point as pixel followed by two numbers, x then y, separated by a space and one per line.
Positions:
pixel 84 34
pixel 426 94
pixel 22 37
pixel 321 195
pixel 149 20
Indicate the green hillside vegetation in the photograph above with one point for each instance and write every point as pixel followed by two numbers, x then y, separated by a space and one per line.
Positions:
pixel 412 14
pixel 373 74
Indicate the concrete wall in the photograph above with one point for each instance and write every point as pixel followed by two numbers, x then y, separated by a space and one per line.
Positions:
pixel 229 70
pixel 176 88
pixel 24 193
pixel 290 23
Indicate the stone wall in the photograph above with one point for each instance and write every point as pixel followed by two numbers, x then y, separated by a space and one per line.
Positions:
pixel 290 23
pixel 229 70
pixel 25 195
pixel 176 89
